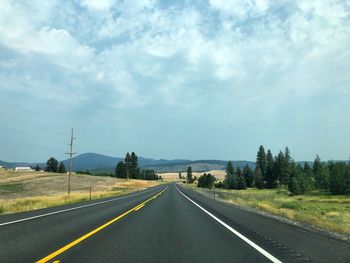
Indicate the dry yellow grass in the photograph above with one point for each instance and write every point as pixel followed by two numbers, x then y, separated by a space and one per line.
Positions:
pixel 23 191
pixel 219 174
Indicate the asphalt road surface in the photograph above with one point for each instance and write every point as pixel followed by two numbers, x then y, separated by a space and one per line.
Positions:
pixel 167 223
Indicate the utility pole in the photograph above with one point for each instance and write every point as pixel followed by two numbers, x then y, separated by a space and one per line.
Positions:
pixel 70 159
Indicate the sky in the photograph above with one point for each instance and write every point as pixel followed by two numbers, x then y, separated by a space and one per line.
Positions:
pixel 175 79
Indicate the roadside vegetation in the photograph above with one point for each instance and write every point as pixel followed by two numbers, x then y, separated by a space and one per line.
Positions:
pixel 24 191
pixel 331 212
pixel 317 194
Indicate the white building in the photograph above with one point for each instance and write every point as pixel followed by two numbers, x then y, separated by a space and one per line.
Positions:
pixel 23 168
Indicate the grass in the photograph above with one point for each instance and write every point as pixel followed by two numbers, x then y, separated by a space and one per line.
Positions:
pixel 324 211
pixel 11 188
pixel 38 202
pixel 24 191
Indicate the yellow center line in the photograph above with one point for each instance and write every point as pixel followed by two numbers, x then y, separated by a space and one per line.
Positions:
pixel 75 242
pixel 139 207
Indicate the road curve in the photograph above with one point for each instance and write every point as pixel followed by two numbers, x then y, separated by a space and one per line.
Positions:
pixel 162 224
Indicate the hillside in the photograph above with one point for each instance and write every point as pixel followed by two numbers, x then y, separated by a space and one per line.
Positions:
pixel 103 163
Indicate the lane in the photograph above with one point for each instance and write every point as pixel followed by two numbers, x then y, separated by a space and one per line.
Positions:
pixel 170 229
pixel 167 228
pixel 287 242
pixel 30 240
pixel 33 214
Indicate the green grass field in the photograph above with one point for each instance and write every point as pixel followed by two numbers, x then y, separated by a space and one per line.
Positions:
pixel 325 211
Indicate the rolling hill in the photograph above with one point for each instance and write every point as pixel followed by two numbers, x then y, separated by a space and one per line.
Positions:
pixel 102 163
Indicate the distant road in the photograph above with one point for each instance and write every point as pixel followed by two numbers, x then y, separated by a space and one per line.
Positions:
pixel 166 223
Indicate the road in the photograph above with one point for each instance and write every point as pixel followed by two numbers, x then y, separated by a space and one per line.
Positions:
pixel 167 223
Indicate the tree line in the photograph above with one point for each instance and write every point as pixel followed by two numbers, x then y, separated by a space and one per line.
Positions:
pixel 52 166
pixel 282 171
pixel 130 169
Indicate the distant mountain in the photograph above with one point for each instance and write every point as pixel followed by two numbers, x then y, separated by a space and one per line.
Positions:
pixel 197 166
pixel 90 161
pixel 103 163
pixel 12 165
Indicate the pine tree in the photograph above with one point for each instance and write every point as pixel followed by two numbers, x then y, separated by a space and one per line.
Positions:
pixel 261 160
pixel 270 178
pixel 127 161
pixel 52 165
pixel 230 178
pixel 248 175
pixel 286 167
pixel 241 182
pixel 321 174
pixel 134 169
pixel 339 178
pixel 120 170
pixel 299 182
pixel 61 168
pixel 229 168
pixel 278 167
pixel 206 181
pixel 189 175
pixel 259 183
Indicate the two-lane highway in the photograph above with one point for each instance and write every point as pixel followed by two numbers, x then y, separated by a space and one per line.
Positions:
pixel 167 223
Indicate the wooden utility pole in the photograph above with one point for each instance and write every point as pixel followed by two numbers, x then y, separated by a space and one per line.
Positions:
pixel 70 159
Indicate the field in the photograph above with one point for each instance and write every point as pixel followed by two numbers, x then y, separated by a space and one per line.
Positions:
pixel 23 191
pixel 219 174
pixel 324 211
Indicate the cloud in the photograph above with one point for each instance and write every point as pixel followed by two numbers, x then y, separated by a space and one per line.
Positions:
pixel 200 59
pixel 99 5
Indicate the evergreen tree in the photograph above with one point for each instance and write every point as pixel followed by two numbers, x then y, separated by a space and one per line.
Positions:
pixel 37 168
pixel 286 167
pixel 241 183
pixel 300 182
pixel 270 179
pixel 238 171
pixel 261 160
pixel 127 161
pixel 206 181
pixel 307 169
pixel 120 170
pixel 230 169
pixel 232 181
pixel 149 175
pixel 52 165
pixel 189 175
pixel 230 178
pixel 278 167
pixel 62 168
pixel 321 174
pixel 248 175
pixel 259 183
pixel 339 181
pixel 134 169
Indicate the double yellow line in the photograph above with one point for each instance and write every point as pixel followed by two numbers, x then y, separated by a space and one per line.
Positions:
pixel 75 242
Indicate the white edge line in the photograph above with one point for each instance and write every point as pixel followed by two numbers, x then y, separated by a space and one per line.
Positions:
pixel 70 209
pixel 251 243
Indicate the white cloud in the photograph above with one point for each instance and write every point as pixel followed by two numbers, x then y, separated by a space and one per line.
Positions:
pixel 144 43
pixel 240 9
pixel 100 5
